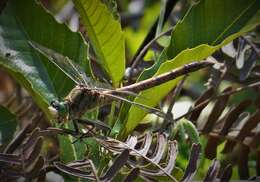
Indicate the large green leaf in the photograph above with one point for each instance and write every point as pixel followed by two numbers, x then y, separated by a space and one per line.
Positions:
pixel 23 21
pixel 105 36
pixel 8 125
pixel 206 27
pixel 221 19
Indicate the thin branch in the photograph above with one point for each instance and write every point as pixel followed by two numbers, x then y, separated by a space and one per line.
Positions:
pixel 169 6
pixel 160 79
pixel 216 97
pixel 143 51
pixel 169 115
pixel 176 93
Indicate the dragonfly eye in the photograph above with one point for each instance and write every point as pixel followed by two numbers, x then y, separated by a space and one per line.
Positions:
pixel 55 104
pixel 58 109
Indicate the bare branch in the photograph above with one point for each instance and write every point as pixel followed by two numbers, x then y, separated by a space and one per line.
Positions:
pixel 160 79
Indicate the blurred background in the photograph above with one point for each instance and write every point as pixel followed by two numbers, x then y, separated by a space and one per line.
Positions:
pixel 137 18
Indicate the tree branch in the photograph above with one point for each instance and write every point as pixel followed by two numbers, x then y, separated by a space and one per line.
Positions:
pixel 158 80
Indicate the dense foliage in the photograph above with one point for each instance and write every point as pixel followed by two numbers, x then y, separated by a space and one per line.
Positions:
pixel 116 72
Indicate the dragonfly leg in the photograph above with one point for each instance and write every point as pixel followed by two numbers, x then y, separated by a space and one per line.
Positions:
pixel 76 132
pixel 68 131
pixel 94 123
pixel 76 127
pixel 81 136
pixel 90 125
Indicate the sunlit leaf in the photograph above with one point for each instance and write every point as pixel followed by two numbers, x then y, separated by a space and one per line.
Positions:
pixel 105 36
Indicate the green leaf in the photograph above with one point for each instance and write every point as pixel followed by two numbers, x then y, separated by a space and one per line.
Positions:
pixel 23 21
pixel 105 36
pixel 206 27
pixel 221 19
pixel 8 125
pixel 70 151
pixel 112 6
pixel 190 129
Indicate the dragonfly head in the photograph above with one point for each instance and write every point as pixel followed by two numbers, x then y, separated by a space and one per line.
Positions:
pixel 59 110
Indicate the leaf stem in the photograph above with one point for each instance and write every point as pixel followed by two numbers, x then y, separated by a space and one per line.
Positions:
pixel 144 50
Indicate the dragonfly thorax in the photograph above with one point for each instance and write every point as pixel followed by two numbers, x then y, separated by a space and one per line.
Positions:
pixel 81 99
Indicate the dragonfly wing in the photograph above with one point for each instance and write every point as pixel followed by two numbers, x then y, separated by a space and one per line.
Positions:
pixel 66 65
pixel 142 106
pixel 72 70
pixel 81 74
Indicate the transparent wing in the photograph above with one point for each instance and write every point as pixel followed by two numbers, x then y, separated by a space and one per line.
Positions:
pixel 72 70
pixel 142 106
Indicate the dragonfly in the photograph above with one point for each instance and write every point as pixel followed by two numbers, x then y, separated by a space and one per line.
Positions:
pixel 88 93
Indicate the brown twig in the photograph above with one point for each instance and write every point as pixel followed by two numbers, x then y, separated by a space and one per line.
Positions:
pixel 160 79
pixel 176 93
pixel 169 115
pixel 144 50
pixel 216 97
pixel 169 6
